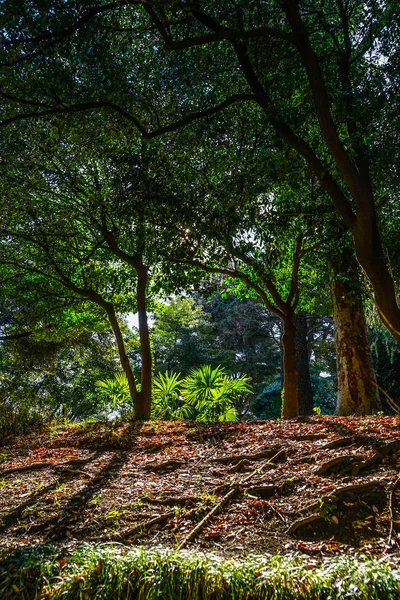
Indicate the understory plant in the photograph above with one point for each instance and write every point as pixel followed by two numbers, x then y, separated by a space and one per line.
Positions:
pixel 167 403
pixel 206 394
pixel 212 393
pixel 115 391
pixel 118 573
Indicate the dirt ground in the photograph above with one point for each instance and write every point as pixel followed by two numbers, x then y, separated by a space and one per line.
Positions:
pixel 320 485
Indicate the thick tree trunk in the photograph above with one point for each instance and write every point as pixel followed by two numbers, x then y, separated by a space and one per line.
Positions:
pixel 281 352
pixel 357 394
pixel 290 390
pixel 125 364
pixel 144 397
pixel 372 259
pixel 354 170
pixel 304 388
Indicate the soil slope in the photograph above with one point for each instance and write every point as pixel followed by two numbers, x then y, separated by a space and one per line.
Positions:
pixel 319 485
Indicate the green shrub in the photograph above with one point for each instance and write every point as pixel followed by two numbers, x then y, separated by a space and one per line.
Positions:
pixel 115 391
pixel 167 403
pixel 212 392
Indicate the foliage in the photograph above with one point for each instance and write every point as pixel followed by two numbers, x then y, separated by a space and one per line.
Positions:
pixel 113 572
pixel 82 86
pixel 268 404
pixel 247 333
pixel 167 403
pixel 182 336
pixel 212 392
pixel 53 375
pixel 115 390
pixel 324 391
pixel 386 356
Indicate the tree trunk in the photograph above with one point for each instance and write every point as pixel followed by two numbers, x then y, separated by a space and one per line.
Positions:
pixel 372 259
pixel 144 396
pixel 304 388
pixel 290 390
pixel 125 364
pixel 281 353
pixel 357 394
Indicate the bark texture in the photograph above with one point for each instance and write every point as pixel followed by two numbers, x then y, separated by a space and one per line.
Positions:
pixel 144 397
pixel 304 388
pixel 357 394
pixel 290 391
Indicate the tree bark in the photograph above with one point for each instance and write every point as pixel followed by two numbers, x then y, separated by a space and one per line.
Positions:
pixel 357 393
pixel 304 388
pixel 371 257
pixel 143 398
pixel 143 408
pixel 290 391
pixel 123 357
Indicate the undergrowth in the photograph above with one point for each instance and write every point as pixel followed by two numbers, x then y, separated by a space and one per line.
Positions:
pixel 115 572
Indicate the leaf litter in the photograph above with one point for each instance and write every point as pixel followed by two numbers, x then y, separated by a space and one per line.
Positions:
pixel 318 485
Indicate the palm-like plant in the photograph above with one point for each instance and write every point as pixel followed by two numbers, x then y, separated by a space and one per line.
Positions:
pixel 115 390
pixel 212 392
pixel 166 401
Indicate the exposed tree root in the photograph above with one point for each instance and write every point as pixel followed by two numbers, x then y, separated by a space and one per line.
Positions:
pixel 242 464
pixel 263 491
pixel 346 460
pixel 354 463
pixel 308 436
pixel 145 526
pixel 163 466
pixel 304 521
pixel 390 447
pixel 31 467
pixel 340 443
pixel 228 496
pixel 200 526
pixel 174 500
pixel 365 464
pixel 251 456
pixel 334 495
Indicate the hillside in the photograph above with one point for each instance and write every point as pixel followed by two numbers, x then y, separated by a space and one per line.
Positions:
pixel 321 485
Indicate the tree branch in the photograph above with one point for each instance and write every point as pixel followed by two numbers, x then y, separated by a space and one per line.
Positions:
pixel 15 336
pixel 95 105
pixel 237 275
pixel 226 34
pixel 63 33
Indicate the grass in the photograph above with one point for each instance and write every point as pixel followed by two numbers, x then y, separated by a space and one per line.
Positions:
pixel 115 572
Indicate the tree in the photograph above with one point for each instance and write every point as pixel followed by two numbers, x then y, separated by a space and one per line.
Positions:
pixel 318 73
pixel 357 389
pixel 182 336
pixel 304 386
pixel 249 332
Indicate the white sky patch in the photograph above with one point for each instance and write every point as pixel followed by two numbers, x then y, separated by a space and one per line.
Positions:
pixel 133 320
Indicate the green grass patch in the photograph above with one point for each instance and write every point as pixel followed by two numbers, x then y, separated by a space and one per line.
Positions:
pixel 116 573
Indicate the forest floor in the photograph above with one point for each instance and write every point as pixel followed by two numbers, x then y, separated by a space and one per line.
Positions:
pixel 321 485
